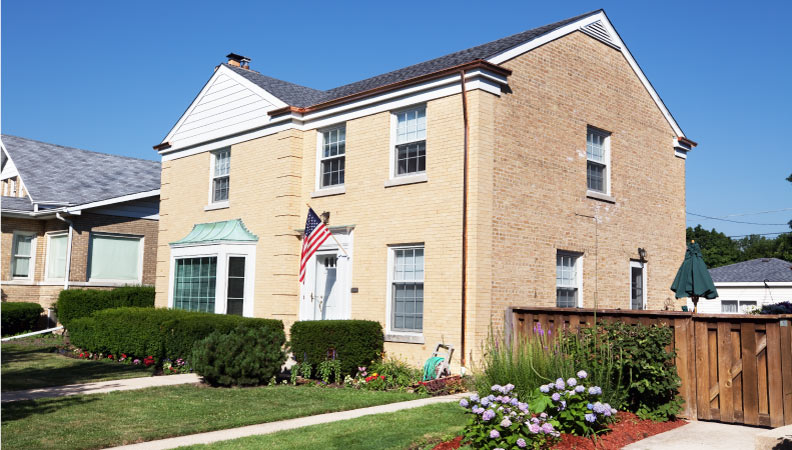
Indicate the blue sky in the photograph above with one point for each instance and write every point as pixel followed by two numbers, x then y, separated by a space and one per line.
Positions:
pixel 115 76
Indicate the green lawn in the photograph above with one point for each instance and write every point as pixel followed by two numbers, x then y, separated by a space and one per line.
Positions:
pixel 29 363
pixel 416 428
pixel 103 420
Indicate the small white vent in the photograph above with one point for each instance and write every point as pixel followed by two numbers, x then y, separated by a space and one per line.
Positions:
pixel 598 31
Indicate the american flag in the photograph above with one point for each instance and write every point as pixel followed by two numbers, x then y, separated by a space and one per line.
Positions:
pixel 316 233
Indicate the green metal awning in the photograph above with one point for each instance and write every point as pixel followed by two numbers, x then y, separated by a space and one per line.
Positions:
pixel 214 232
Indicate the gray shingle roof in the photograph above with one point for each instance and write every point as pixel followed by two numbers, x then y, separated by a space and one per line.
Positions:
pixel 756 270
pixel 301 96
pixel 16 204
pixel 54 173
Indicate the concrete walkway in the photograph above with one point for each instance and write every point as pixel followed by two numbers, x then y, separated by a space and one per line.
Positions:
pixel 99 387
pixel 272 427
pixel 698 435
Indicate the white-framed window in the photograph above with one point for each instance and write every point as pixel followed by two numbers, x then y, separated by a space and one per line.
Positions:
pixel 409 149
pixel 737 306
pixel 221 169
pixel 115 257
pixel 23 255
pixel 568 279
pixel 213 278
pixel 332 157
pixel 637 285
pixel 406 290
pixel 598 160
pixel 57 251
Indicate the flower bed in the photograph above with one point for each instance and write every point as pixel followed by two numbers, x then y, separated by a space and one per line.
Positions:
pixel 168 367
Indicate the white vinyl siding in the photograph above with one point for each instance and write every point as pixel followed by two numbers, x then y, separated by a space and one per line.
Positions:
pixel 567 280
pixel 115 258
pixel 598 160
pixel 410 148
pixel 333 158
pixel 23 254
pixel 221 175
pixel 57 249
pixel 407 289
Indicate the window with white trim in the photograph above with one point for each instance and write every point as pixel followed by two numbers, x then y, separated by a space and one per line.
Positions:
pixel 220 175
pixel 23 253
pixel 598 160
pixel 57 249
pixel 567 280
pixel 407 289
pixel 115 257
pixel 410 146
pixel 737 306
pixel 332 158
pixel 194 284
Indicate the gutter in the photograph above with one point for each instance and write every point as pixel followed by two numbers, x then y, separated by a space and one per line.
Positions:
pixel 464 215
pixel 68 250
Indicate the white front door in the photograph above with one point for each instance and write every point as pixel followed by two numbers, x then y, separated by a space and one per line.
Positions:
pixel 327 293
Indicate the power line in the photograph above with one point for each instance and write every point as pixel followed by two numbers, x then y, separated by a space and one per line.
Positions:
pixel 760 234
pixel 735 221
pixel 755 213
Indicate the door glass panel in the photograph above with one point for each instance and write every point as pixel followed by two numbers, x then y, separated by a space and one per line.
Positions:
pixel 636 288
pixel 236 285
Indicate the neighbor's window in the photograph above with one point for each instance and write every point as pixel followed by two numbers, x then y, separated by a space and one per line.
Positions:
pixel 407 289
pixel 410 151
pixel 194 284
pixel 22 253
pixel 567 280
pixel 598 158
pixel 56 255
pixel 115 257
pixel 220 175
pixel 734 306
pixel 332 158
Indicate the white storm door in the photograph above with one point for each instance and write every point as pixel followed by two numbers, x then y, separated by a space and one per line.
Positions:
pixel 327 294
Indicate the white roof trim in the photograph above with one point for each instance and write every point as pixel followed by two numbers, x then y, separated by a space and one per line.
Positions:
pixel 616 41
pixel 223 70
pixel 752 284
pixel 111 201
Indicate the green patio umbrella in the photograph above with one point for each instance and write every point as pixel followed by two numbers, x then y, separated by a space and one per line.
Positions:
pixel 693 279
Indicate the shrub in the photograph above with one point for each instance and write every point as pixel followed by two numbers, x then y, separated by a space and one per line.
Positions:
pixel 776 308
pixel 572 407
pixel 244 356
pixel 18 317
pixel 355 343
pixel 76 303
pixel 158 332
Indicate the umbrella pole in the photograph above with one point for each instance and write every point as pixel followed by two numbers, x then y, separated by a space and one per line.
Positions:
pixel 695 303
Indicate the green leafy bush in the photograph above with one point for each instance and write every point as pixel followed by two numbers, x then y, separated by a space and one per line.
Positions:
pixel 355 343
pixel 775 308
pixel 18 317
pixel 76 303
pixel 245 356
pixel 158 332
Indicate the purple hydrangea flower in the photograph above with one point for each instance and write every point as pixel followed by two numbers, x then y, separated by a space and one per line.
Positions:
pixel 556 397
pixel 563 404
pixel 508 388
pixel 505 399
pixel 506 423
pixel 496 388
pixel 590 406
pixel 580 388
pixel 488 414
pixel 523 407
pixel 595 390
pixel 534 428
pixel 547 427
pixel 571 382
pixel 514 401
pixel 559 384
pixel 521 443
pixel 485 402
pixel 477 410
pixel 543 415
pixel 544 388
pixel 613 411
pixel 474 398
pixel 494 434
pixel 463 403
pixel 591 417
pixel 582 374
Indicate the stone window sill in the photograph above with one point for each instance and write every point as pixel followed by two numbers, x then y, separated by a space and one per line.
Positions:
pixel 218 205
pixel 600 196
pixel 404 338
pixel 408 179
pixel 326 192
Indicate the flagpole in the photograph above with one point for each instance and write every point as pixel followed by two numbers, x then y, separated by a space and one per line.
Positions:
pixel 332 236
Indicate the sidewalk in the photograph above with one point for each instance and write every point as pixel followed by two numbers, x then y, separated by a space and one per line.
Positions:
pixel 699 435
pixel 99 387
pixel 272 427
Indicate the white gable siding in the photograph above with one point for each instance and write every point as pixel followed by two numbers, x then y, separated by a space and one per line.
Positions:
pixel 226 106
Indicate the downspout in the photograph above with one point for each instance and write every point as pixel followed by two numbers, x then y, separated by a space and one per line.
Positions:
pixel 464 215
pixel 68 250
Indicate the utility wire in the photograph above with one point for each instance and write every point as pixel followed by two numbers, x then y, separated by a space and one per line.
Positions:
pixel 760 234
pixel 734 221
pixel 755 213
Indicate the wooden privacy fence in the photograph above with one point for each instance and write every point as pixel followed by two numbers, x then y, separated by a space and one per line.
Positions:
pixel 734 368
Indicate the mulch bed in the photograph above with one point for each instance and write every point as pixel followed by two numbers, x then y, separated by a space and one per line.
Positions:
pixel 627 430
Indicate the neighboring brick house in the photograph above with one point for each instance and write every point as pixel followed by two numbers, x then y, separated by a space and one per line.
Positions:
pixel 574 190
pixel 73 218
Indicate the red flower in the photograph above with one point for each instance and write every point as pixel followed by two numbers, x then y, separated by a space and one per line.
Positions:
pixel 123 355
pixel 109 356
pixel 382 377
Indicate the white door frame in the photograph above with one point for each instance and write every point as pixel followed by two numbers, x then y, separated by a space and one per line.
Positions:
pixel 642 266
pixel 343 275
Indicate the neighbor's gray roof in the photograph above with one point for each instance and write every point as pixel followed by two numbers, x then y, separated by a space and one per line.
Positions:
pixel 761 269
pixel 301 96
pixel 54 173
pixel 16 203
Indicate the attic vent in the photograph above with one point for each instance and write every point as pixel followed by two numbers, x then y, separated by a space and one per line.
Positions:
pixel 598 31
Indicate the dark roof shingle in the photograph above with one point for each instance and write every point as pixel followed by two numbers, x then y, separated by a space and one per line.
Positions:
pixel 755 270
pixel 54 173
pixel 16 204
pixel 301 96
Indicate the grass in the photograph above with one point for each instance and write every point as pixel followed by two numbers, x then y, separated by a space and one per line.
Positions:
pixel 117 418
pixel 30 363
pixel 416 428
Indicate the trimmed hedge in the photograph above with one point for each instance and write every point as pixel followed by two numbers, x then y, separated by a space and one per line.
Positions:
pixel 76 303
pixel 355 342
pixel 18 317
pixel 158 332
pixel 246 356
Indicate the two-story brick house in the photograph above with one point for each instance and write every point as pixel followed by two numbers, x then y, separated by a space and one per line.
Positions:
pixel 538 169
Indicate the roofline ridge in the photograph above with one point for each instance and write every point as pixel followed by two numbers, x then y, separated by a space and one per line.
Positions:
pixel 79 149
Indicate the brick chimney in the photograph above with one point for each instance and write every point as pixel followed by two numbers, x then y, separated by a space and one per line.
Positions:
pixel 238 61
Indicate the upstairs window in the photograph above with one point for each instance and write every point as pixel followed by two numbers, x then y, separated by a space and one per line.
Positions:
pixel 567 280
pixel 410 151
pixel 333 157
pixel 220 175
pixel 598 160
